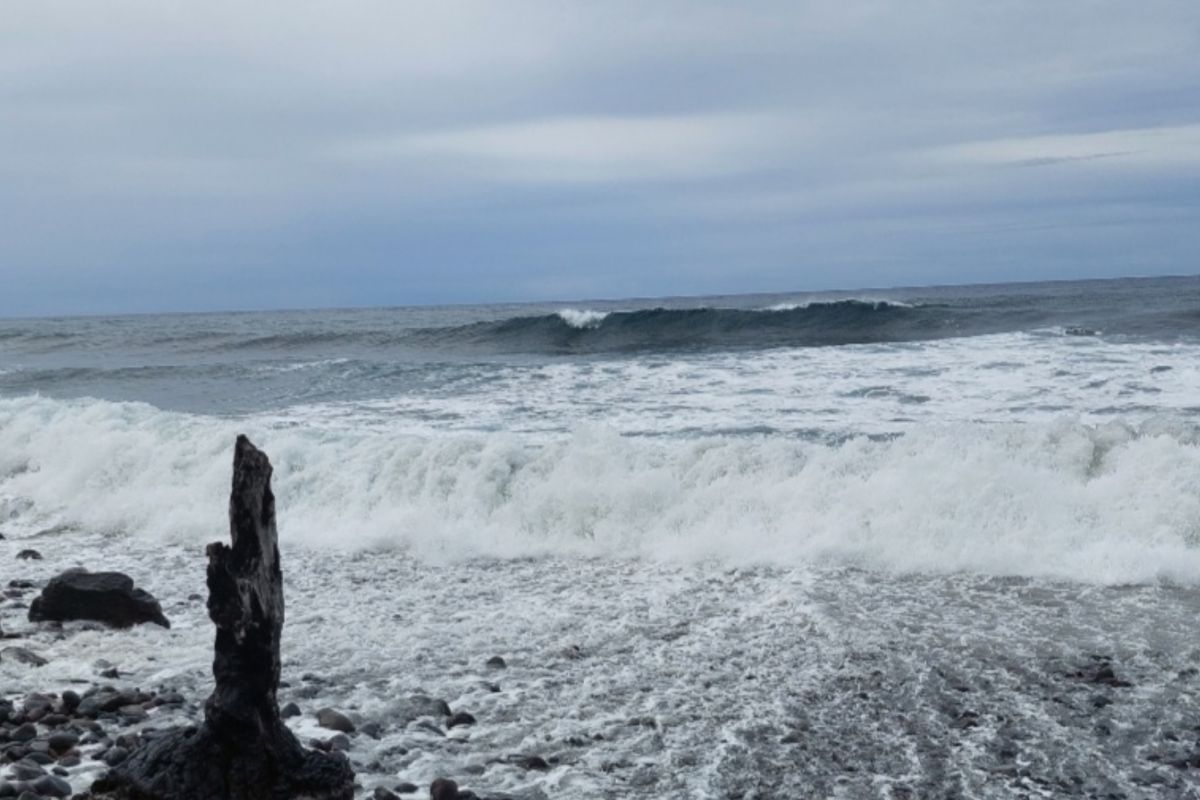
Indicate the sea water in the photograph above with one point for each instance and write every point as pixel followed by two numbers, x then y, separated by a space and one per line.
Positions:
pixel 866 544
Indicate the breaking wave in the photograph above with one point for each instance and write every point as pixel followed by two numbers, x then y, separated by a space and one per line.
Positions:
pixel 572 331
pixel 1104 504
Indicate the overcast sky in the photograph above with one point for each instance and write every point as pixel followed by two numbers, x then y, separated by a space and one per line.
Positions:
pixel 185 156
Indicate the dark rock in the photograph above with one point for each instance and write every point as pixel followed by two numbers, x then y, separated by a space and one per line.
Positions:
pixel 22 655
pixel 112 673
pixel 383 793
pixel 334 720
pixel 460 718
pixel 289 711
pixel 426 725
pixel 23 732
pixel 29 555
pixel 528 761
pixel 496 662
pixel 339 743
pixel 37 705
pixel 62 741
pixel 372 729
pixel 132 713
pixel 243 751
pixel 105 700
pixel 1105 676
pixel 115 755
pixel 108 597
pixel 52 786
pixel 406 788
pixel 414 707
pixel 25 771
pixel 443 789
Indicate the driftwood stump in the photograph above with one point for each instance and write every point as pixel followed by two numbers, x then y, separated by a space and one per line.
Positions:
pixel 243 751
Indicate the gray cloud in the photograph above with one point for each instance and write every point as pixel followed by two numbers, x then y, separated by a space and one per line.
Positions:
pixel 152 155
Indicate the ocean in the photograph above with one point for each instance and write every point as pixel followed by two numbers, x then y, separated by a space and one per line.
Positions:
pixel 837 544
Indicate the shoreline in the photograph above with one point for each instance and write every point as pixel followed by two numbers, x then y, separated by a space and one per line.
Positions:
pixel 692 679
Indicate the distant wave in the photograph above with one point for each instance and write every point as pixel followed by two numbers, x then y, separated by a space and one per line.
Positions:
pixel 583 330
pixel 863 300
pixel 1103 504
pixel 572 331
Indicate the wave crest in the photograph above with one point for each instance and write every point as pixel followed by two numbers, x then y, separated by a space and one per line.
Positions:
pixel 582 319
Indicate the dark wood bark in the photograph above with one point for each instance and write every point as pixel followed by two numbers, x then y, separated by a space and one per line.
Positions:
pixel 243 751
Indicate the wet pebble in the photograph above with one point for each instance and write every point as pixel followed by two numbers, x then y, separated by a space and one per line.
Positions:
pixel 62 741
pixel 115 755
pixel 334 720
pixel 52 786
pixel 443 789
pixel 460 718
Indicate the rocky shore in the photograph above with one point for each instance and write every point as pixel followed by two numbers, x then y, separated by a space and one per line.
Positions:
pixel 588 678
pixel 110 741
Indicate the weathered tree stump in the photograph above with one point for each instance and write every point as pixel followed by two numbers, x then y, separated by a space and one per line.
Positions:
pixel 243 751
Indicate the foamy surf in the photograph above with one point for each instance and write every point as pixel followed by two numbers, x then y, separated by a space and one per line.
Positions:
pixel 582 318
pixel 1096 503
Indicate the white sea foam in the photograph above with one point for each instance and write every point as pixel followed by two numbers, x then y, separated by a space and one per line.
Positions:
pixel 300 366
pixel 582 318
pixel 1104 503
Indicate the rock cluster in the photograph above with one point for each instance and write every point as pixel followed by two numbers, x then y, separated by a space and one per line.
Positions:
pixel 44 735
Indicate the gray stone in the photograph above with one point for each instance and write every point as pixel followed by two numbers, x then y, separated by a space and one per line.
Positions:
pixel 334 720
pixel 22 655
pixel 52 786
pixel 62 741
pixel 25 771
pixel 24 732
pixel 115 755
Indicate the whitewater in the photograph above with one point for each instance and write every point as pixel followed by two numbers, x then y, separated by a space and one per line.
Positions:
pixel 833 545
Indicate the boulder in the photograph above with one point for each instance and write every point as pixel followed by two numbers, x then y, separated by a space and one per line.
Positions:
pixel 108 597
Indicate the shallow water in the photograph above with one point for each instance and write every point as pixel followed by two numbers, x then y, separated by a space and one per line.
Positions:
pixel 635 676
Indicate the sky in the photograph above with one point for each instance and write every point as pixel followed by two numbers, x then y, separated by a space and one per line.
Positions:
pixel 181 156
